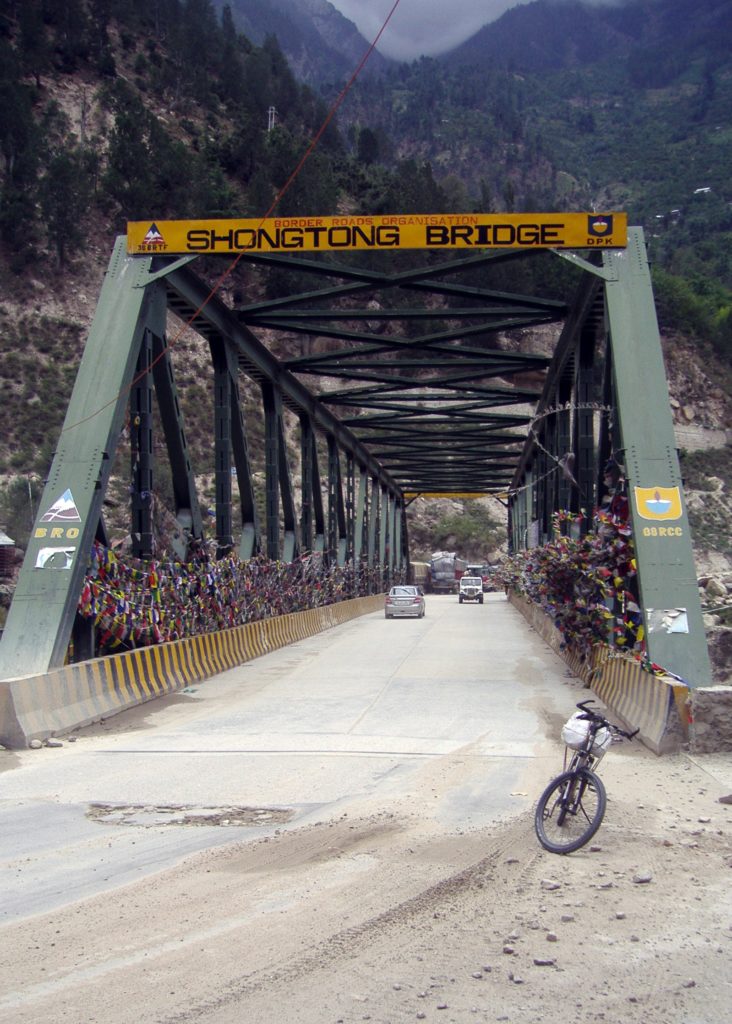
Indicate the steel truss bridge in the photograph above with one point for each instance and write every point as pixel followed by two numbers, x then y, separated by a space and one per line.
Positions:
pixel 413 390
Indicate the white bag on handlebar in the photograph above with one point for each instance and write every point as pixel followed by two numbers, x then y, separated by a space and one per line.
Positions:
pixel 574 735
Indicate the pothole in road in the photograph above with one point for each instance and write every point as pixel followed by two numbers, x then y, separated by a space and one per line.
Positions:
pixel 154 815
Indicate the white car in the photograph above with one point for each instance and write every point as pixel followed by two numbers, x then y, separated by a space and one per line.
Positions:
pixel 471 589
pixel 404 601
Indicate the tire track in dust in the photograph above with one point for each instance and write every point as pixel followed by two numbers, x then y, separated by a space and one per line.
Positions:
pixel 512 838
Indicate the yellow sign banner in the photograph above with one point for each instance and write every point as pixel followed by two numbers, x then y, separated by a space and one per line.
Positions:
pixel 390 231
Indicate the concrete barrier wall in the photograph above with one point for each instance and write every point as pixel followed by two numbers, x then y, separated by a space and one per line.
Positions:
pixel 656 705
pixel 36 707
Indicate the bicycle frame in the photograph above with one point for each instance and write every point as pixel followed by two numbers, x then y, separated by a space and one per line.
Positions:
pixel 575 759
pixel 571 808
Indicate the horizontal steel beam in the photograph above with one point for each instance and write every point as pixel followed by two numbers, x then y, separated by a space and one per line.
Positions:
pixel 207 314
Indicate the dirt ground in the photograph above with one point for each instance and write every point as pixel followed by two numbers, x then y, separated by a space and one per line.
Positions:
pixel 381 916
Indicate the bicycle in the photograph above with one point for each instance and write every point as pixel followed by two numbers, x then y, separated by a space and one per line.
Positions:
pixel 571 808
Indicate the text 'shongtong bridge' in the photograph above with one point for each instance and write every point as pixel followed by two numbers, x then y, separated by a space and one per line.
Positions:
pixel 415 391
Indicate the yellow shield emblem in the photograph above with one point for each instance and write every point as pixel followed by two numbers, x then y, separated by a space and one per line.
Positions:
pixel 658 502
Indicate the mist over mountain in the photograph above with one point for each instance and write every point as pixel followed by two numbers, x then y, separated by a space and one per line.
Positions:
pixel 560 34
pixel 321 45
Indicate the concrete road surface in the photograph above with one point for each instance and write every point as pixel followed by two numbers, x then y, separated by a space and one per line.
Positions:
pixel 296 736
pixel 342 831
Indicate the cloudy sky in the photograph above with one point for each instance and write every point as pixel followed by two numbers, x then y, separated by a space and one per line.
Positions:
pixel 424 26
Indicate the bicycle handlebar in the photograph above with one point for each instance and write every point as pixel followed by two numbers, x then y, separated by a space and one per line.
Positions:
pixel 595 717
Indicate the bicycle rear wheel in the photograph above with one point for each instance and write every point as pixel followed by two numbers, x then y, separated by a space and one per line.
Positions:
pixel 570 811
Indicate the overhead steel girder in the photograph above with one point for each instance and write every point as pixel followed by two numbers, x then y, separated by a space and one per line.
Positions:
pixel 468 442
pixel 415 279
pixel 397 425
pixel 429 342
pixel 405 401
pixel 475 469
pixel 463 442
pixel 436 352
pixel 485 313
pixel 190 297
pixel 441 463
pixel 389 376
pixel 394 383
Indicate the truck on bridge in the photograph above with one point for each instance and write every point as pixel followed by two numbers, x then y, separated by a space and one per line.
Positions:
pixel 419 574
pixel 445 572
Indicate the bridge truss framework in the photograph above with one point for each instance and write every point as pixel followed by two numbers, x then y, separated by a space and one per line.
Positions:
pixel 392 416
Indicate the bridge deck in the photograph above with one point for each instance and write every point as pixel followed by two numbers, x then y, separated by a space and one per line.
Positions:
pixel 354 720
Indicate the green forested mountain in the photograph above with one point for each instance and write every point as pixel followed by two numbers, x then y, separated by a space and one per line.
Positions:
pixel 567 106
pixel 113 110
pixel 557 105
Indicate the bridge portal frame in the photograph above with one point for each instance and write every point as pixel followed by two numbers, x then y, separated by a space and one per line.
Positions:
pixel 608 355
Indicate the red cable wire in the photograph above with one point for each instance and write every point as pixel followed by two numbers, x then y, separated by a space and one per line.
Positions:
pixel 330 115
pixel 234 263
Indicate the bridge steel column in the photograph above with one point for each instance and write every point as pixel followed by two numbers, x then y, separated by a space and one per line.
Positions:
pixel 141 451
pixel 250 542
pixel 42 614
pixel 374 531
pixel 291 540
pixel 666 571
pixel 271 472
pixel 350 507
pixel 337 531
pixel 278 483
pixel 400 546
pixel 307 461
pixel 360 536
pixel 390 541
pixel 312 529
pixel 187 509
pixel 383 534
pixel 222 447
pixel 564 489
pixel 584 464
pixel 520 519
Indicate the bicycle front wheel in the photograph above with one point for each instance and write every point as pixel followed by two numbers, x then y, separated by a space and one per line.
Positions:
pixel 570 811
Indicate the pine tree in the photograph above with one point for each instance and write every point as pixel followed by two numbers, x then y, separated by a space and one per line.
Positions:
pixel 65 194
